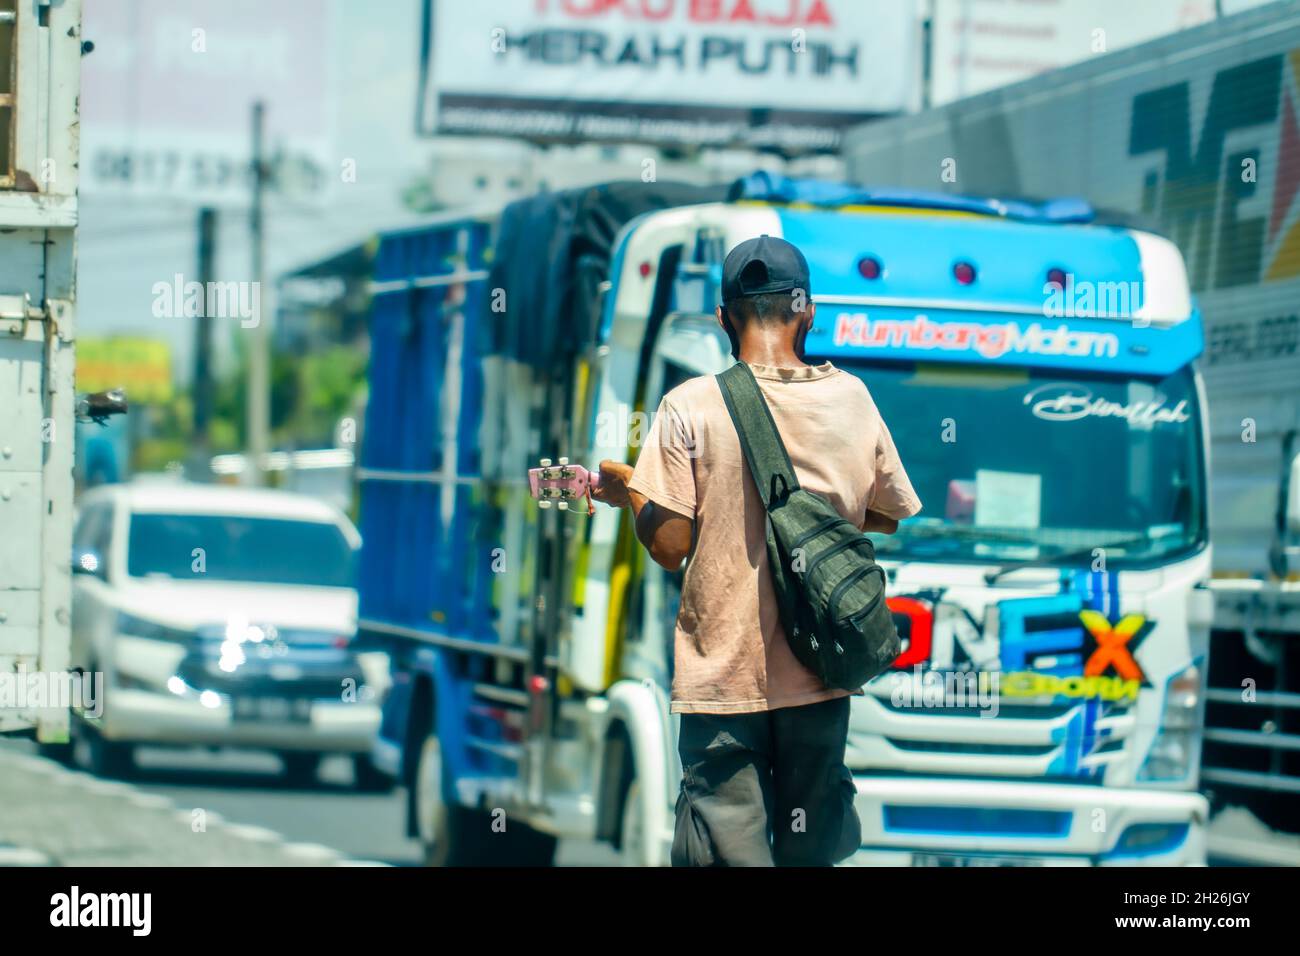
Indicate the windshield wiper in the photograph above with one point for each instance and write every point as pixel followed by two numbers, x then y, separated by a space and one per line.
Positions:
pixel 954 532
pixel 991 577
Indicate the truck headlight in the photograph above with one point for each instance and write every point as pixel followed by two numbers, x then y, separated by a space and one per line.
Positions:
pixel 1175 753
pixel 1148 839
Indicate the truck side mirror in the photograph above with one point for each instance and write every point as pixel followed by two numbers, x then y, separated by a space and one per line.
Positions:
pixel 1293 498
pixel 1284 551
pixel 100 406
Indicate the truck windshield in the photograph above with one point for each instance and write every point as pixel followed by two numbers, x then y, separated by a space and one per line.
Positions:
pixel 238 548
pixel 1017 464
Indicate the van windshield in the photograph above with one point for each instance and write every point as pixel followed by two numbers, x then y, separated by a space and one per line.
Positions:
pixel 217 547
pixel 1018 464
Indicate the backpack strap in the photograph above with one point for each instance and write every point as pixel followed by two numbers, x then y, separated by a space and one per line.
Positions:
pixel 768 460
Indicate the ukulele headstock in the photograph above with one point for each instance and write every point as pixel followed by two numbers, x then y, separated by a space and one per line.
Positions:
pixel 559 483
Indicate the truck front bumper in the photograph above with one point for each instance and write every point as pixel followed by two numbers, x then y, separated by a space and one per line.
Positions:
pixel 926 821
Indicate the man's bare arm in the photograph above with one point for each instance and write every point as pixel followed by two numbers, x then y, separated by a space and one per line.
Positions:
pixel 666 534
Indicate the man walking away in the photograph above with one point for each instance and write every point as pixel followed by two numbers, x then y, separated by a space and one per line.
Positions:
pixel 762 738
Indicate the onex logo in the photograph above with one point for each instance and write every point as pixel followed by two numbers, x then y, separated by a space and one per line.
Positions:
pixel 1045 646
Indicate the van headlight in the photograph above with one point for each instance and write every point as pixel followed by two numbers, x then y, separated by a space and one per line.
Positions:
pixel 146 654
pixel 1175 753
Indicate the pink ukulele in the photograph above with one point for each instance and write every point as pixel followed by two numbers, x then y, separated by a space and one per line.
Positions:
pixel 561 484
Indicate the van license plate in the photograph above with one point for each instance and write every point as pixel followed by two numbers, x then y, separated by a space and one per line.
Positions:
pixel 272 709
pixel 949 859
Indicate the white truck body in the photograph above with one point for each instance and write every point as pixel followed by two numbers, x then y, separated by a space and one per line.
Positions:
pixel 1197 134
pixel 38 219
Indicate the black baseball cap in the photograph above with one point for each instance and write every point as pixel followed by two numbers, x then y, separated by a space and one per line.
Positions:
pixel 762 265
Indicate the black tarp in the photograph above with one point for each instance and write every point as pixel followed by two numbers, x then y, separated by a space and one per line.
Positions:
pixel 552 252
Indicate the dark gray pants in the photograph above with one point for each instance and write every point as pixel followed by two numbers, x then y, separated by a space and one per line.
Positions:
pixel 766 789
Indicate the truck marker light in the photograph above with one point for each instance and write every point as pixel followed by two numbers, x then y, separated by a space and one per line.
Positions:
pixel 964 273
pixel 1057 277
pixel 645 269
pixel 869 267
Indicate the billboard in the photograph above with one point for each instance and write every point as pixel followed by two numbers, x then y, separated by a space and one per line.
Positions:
pixel 168 90
pixel 978 45
pixel 776 74
pixel 141 366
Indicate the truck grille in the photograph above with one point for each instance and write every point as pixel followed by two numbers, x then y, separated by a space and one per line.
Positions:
pixel 294 664
pixel 1073 740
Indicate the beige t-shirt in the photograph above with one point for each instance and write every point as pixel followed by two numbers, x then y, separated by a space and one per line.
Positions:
pixel 731 655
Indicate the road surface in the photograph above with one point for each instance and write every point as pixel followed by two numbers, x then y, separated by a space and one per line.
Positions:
pixel 249 788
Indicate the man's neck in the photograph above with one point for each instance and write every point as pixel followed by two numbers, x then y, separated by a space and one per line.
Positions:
pixel 757 348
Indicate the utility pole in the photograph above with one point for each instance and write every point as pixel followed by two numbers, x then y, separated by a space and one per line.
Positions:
pixel 257 402
pixel 201 442
pixel 927 56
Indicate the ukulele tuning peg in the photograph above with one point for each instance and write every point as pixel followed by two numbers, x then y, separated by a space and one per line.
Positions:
pixel 562 505
pixel 564 461
pixel 546 463
pixel 543 503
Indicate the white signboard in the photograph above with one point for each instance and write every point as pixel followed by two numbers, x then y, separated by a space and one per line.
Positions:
pixel 782 74
pixel 981 44
pixel 167 97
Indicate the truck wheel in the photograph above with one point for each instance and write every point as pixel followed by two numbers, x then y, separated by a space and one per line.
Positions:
pixel 520 845
pixel 109 758
pixel 1276 811
pixel 462 836
pixel 631 844
pixel 59 753
pixel 368 778
pixel 436 834
pixel 300 768
pixel 449 834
